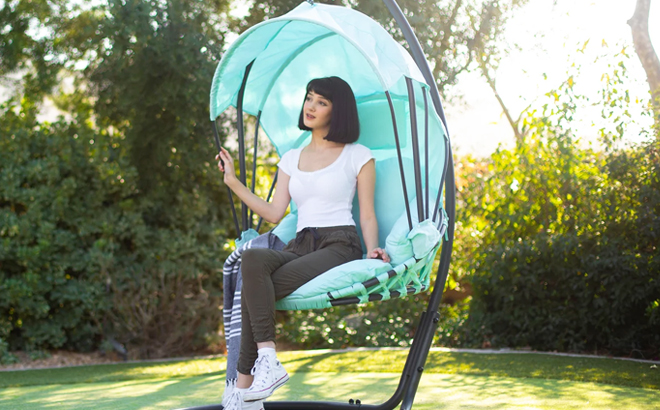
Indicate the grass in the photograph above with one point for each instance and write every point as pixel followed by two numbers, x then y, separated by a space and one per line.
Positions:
pixel 436 392
pixel 534 366
pixel 451 381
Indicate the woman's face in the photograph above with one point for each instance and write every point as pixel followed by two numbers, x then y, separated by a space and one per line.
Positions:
pixel 317 111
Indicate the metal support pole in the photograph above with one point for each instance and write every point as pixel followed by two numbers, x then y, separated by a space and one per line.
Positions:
pixel 447 179
pixel 241 141
pixel 229 193
pixel 426 151
pixel 254 162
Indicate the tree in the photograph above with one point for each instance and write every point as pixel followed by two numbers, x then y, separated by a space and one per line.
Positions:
pixel 150 81
pixel 639 23
pixel 23 53
pixel 156 217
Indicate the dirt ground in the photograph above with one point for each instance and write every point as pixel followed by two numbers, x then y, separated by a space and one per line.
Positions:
pixel 63 358
pixel 59 358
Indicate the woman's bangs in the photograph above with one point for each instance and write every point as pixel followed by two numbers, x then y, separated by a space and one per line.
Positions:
pixel 321 86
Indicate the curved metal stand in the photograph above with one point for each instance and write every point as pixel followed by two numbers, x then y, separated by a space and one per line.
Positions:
pixel 414 366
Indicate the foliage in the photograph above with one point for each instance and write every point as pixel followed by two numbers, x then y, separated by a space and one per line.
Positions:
pixel 23 50
pixel 77 256
pixel 5 356
pixel 566 256
pixel 50 198
pixel 166 51
pixel 113 216
pixel 381 324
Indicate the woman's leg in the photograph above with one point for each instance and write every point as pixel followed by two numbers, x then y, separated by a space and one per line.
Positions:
pixel 296 273
pixel 258 302
pixel 256 266
pixel 268 372
pixel 244 380
pixel 276 275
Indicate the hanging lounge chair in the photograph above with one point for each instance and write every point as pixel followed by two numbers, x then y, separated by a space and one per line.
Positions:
pixel 264 74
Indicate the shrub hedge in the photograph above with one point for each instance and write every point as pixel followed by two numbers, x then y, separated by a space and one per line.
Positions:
pixel 567 257
pixel 83 265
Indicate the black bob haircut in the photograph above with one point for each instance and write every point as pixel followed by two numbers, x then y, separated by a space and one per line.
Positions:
pixel 344 123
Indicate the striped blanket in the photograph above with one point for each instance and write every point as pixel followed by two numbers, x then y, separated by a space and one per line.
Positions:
pixel 232 284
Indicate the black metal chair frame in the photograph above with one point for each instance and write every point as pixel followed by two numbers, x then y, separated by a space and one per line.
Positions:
pixel 418 353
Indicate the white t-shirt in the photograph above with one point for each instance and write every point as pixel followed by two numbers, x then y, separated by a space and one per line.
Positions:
pixel 325 197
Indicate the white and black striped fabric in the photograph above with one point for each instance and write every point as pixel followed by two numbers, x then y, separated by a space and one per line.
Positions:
pixel 232 286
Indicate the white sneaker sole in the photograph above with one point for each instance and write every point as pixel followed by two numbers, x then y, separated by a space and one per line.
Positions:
pixel 267 392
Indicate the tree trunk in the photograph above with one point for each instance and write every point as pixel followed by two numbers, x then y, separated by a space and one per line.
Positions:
pixel 639 24
pixel 491 83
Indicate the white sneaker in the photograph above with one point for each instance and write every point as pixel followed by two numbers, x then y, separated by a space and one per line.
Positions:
pixel 235 402
pixel 229 389
pixel 269 374
pixel 253 405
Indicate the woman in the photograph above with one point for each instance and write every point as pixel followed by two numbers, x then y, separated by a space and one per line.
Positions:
pixel 321 178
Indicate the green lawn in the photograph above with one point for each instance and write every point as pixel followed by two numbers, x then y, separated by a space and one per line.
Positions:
pixel 451 381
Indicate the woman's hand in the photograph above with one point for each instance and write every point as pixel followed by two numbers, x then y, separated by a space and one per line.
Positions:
pixel 228 167
pixel 379 253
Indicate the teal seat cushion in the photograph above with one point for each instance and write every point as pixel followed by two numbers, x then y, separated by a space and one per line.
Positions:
pixel 340 277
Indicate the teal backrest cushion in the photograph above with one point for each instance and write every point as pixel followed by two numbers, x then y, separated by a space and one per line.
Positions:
pixel 286 229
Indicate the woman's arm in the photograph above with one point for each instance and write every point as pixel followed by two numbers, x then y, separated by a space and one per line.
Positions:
pixel 366 185
pixel 270 211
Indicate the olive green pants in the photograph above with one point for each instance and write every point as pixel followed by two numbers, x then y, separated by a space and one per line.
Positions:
pixel 270 275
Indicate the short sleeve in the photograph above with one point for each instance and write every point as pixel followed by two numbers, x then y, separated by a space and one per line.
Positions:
pixel 361 155
pixel 285 162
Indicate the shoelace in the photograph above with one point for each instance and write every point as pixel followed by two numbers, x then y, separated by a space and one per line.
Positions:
pixel 260 371
pixel 235 401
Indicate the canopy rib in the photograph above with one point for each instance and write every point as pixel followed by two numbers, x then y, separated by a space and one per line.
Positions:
pixel 399 156
pixel 415 145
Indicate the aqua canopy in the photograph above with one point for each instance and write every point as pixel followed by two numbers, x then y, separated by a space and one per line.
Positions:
pixel 310 41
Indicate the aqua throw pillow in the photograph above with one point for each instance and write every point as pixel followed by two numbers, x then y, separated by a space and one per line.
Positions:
pixel 423 238
pixel 397 244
